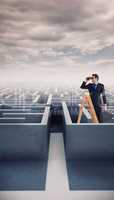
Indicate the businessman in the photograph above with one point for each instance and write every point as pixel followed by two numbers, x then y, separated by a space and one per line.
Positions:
pixel 96 90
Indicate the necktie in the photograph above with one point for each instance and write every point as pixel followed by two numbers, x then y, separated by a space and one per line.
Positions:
pixel 94 86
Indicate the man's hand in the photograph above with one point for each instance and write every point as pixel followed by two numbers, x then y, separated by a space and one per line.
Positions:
pixel 105 107
pixel 87 80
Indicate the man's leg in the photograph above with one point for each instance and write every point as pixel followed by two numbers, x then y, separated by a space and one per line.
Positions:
pixel 98 111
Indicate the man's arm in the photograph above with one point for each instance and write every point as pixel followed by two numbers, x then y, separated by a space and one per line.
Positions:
pixel 84 85
pixel 103 95
pixel 104 98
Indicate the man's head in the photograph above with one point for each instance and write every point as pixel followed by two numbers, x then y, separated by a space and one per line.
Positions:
pixel 95 78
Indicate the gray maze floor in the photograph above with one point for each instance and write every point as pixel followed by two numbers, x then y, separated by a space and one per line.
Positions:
pixel 57 185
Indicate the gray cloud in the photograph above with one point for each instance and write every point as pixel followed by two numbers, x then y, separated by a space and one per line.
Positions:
pixel 105 62
pixel 54 31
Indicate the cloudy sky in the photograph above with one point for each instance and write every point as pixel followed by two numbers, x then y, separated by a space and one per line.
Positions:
pixel 56 40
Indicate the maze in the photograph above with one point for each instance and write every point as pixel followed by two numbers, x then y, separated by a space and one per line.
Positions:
pixel 28 117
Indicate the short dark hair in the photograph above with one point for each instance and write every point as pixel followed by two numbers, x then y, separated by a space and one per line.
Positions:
pixel 96 76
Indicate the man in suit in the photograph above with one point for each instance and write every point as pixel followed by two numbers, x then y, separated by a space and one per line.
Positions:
pixel 96 90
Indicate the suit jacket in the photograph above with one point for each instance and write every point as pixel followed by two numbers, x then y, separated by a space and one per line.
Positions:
pixel 95 92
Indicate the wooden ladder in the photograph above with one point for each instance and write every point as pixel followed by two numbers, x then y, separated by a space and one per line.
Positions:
pixel 87 102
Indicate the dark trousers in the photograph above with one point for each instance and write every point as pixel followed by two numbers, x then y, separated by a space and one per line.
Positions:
pixel 98 111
